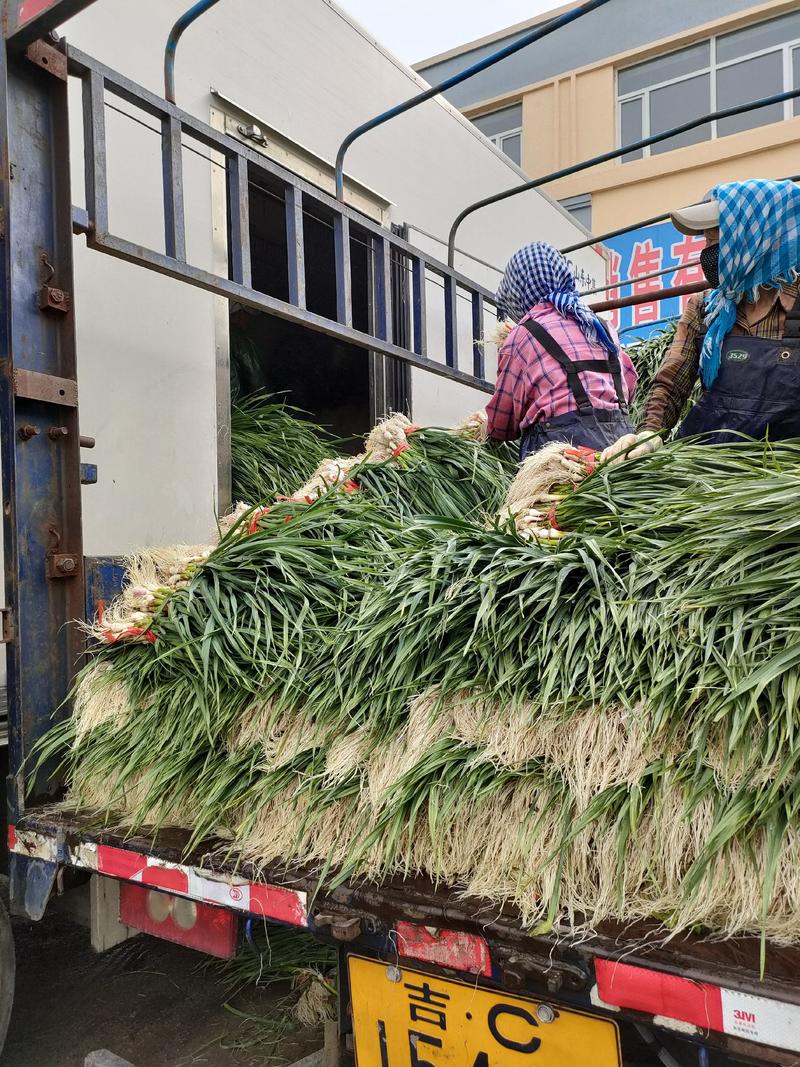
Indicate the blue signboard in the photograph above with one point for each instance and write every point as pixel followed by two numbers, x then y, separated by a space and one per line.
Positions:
pixel 645 251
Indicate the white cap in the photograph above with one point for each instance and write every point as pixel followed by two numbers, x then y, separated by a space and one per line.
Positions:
pixel 697 217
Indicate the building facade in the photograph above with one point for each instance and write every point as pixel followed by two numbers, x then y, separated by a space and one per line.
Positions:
pixel 627 71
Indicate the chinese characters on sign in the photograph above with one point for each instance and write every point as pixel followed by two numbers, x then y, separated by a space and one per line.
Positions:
pixel 427 1026
pixel 648 251
pixel 583 279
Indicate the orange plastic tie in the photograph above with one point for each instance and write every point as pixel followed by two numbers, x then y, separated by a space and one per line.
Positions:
pixel 253 527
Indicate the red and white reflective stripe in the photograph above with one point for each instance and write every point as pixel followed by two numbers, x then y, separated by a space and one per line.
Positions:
pixel 446 948
pixel 707 1006
pixel 229 890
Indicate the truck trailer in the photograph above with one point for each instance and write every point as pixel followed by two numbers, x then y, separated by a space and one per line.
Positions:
pixel 426 977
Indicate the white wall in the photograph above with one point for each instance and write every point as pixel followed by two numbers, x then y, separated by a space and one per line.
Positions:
pixel 146 344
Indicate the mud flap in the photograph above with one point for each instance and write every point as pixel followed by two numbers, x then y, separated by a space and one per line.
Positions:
pixel 30 884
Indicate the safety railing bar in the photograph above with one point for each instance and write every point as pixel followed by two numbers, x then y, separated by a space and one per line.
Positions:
pixel 95 163
pixel 641 278
pixel 239 216
pixel 341 248
pixel 607 157
pixel 175 34
pixel 652 221
pixel 650 298
pixel 638 226
pixel 82 65
pixel 383 289
pixel 532 36
pixel 450 322
pixel 435 266
pixel 172 169
pixel 80 220
pixel 644 325
pixel 419 306
pixel 162 264
pixel 478 351
pixel 295 245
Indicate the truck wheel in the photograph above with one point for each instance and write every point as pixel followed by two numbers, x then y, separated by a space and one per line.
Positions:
pixel 7 972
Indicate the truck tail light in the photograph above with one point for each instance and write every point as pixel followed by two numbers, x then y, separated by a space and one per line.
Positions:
pixel 187 922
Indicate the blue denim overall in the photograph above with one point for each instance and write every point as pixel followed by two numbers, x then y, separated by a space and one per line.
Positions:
pixel 757 390
pixel 589 426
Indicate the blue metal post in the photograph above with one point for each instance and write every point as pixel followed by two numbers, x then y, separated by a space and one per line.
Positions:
pixel 175 34
pixel 488 61
pixel 38 402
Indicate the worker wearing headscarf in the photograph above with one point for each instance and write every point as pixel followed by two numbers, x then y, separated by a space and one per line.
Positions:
pixel 561 373
pixel 743 337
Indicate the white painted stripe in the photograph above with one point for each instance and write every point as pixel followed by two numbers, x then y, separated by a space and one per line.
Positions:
pixel 768 1022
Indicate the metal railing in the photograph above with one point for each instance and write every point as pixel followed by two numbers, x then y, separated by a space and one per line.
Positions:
pixel 536 34
pixel 607 157
pixel 245 166
pixel 175 34
pixel 652 221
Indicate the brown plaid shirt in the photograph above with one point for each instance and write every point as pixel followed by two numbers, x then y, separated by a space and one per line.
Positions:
pixel 677 375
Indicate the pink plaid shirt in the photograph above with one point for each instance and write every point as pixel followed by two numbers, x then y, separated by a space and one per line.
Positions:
pixel 531 386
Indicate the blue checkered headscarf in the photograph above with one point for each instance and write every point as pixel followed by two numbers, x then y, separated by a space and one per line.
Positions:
pixel 539 273
pixel 759 246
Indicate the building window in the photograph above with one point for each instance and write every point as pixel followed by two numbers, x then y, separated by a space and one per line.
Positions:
pixel 580 207
pixel 504 129
pixel 729 69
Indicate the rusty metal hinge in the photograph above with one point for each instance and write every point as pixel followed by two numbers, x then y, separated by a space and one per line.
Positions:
pixel 48 58
pixel 50 389
pixel 62 564
pixel 52 298
pixel 342 927
pixel 6 625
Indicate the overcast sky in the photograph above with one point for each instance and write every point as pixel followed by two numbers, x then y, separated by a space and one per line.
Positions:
pixel 416 29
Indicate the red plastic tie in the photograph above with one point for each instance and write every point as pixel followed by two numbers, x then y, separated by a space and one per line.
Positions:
pixel 133 631
pixel 251 529
pixel 588 456
pixel 350 486
pixel 551 518
pixel 400 448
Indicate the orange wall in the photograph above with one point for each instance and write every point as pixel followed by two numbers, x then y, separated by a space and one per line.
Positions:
pixel 574 117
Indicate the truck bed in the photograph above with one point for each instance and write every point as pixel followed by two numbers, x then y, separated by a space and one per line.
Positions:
pixel 710 990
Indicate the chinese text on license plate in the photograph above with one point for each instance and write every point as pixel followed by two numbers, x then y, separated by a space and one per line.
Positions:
pixel 404 1018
